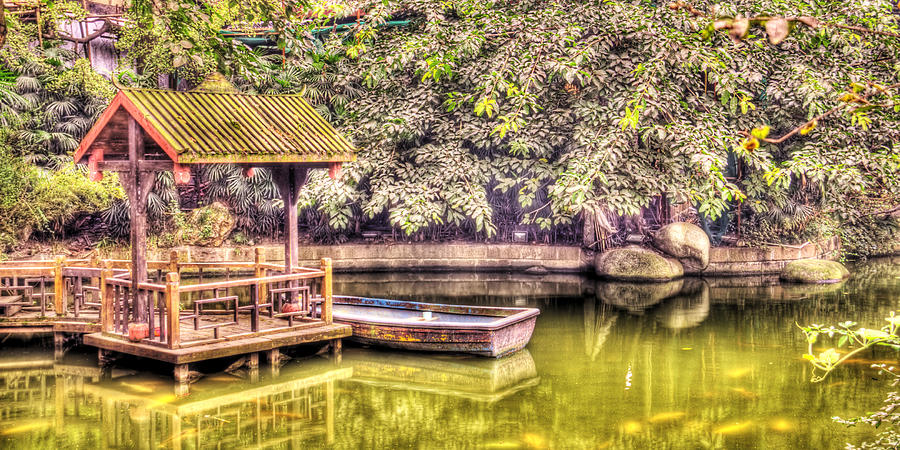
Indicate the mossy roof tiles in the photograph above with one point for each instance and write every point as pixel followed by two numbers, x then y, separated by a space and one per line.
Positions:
pixel 211 127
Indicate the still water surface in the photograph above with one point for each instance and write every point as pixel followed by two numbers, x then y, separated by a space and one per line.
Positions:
pixel 693 364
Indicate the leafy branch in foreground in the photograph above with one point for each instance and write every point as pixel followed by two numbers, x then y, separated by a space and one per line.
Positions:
pixel 857 340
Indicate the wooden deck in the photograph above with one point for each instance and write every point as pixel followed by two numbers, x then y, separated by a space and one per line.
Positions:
pixel 34 322
pixel 316 332
pixel 258 307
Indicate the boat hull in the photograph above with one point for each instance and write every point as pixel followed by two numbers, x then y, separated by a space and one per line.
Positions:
pixel 493 343
pixel 508 334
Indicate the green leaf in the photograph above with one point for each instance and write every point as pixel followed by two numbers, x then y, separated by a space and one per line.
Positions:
pixel 871 335
pixel 829 357
pixel 843 340
pixel 760 132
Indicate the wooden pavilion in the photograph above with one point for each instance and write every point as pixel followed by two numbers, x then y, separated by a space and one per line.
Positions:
pixel 145 131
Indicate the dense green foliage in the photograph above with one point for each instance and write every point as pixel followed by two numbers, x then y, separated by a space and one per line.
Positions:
pixel 598 107
pixel 37 200
pixel 483 117
pixel 49 99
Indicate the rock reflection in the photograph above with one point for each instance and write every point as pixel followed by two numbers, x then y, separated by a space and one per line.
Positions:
pixel 598 321
pixel 636 297
pixel 687 309
pixel 473 378
pixel 743 289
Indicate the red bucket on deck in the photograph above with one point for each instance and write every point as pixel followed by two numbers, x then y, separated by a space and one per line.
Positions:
pixel 290 307
pixel 138 331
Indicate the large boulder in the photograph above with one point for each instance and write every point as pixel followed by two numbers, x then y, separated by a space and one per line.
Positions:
pixel 686 242
pixel 814 271
pixel 207 226
pixel 635 263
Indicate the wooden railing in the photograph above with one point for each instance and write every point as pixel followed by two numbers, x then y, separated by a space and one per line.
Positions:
pixel 49 285
pixel 216 311
pixel 241 291
pixel 38 284
pixel 26 287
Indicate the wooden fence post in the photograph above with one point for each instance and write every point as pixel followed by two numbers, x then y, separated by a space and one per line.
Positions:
pixel 259 272
pixel 326 291
pixel 173 262
pixel 59 288
pixel 106 298
pixel 173 309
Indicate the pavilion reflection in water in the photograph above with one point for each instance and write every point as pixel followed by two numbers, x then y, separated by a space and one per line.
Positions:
pixel 71 403
pixel 45 403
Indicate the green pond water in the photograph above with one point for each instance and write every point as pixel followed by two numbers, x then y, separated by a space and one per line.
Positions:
pixel 693 364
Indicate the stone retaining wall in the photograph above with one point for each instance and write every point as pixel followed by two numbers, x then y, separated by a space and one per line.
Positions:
pixel 450 257
pixel 535 259
pixel 405 257
pixel 729 261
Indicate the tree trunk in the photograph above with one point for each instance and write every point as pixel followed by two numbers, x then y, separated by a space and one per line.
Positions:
pixel 2 24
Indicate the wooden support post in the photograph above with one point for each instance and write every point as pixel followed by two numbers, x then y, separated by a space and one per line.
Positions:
pixel 182 389
pixel 137 186
pixel 107 299
pixel 335 347
pixel 181 372
pixel 173 262
pixel 326 291
pixel 59 345
pixel 253 366
pixel 173 309
pixel 59 288
pixel 273 357
pixel 254 312
pixel 259 272
pixel 105 359
pixel 290 180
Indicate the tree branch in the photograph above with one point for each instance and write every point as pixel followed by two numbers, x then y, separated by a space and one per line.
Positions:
pixel 862 98
pixel 884 212
pixel 811 22
pixel 107 26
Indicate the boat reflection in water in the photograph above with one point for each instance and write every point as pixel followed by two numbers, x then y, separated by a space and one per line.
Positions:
pixel 469 377
pixel 69 405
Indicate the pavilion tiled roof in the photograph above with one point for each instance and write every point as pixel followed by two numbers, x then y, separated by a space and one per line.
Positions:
pixel 225 126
